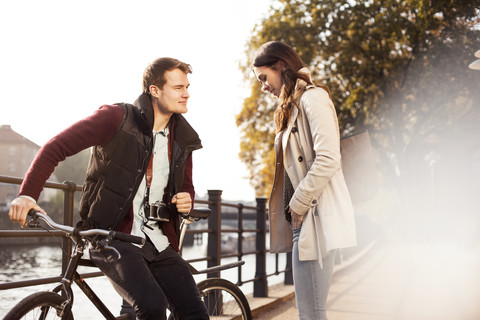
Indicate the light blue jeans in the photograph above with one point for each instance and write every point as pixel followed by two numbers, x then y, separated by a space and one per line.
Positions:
pixel 311 283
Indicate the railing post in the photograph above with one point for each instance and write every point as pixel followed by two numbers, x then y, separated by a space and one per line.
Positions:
pixel 215 224
pixel 240 240
pixel 68 203
pixel 260 285
pixel 288 270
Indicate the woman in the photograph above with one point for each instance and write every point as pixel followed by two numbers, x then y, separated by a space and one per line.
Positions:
pixel 309 194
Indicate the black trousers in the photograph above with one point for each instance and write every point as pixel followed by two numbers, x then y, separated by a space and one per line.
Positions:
pixel 149 280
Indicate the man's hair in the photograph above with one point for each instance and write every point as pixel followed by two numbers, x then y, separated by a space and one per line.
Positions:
pixel 154 74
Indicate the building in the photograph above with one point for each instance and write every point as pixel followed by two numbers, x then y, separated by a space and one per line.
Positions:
pixel 17 154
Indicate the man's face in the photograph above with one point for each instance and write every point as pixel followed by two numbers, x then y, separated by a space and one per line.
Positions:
pixel 173 97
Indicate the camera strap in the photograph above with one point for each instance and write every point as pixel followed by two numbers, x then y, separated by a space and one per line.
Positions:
pixel 148 179
pixel 149 174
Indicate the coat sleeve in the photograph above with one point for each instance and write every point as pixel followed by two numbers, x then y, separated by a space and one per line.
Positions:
pixel 322 121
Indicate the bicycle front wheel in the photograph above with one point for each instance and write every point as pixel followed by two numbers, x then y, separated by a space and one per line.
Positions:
pixel 41 305
pixel 224 300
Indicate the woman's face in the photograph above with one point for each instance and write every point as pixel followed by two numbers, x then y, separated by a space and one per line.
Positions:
pixel 270 79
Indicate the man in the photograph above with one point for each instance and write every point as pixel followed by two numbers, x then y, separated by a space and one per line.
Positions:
pixel 141 164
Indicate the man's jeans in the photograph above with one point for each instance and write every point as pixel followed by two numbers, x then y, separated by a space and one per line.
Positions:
pixel 147 280
pixel 311 283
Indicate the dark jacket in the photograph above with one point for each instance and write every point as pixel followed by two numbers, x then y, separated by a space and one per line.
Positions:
pixel 116 169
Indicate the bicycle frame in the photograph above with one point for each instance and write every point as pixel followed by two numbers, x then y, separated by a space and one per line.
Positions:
pixel 84 238
pixel 71 274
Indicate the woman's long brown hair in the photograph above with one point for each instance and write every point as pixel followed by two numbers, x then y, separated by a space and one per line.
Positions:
pixel 283 58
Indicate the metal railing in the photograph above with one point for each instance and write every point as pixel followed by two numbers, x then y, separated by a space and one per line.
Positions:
pixel 214 248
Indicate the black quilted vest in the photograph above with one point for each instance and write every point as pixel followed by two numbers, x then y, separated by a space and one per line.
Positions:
pixel 115 172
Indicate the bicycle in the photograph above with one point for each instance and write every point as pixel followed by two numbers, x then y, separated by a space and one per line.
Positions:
pixel 224 300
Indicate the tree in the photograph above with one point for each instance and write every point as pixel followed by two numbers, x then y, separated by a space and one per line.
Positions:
pixel 398 68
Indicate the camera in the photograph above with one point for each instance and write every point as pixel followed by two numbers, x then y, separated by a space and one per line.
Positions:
pixel 158 211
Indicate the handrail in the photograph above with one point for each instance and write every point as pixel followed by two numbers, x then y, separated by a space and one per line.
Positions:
pixel 214 231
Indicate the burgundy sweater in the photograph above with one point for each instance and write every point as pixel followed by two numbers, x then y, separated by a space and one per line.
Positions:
pixel 97 129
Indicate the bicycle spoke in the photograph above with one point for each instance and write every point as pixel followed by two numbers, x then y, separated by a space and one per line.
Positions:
pixel 224 300
pixel 222 305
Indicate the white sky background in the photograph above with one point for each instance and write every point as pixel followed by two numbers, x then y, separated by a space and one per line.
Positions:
pixel 61 60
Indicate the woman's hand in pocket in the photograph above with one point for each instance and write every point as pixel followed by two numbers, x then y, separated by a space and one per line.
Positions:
pixel 297 220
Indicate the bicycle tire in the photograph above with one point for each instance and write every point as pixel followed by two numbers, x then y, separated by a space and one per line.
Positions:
pixel 40 305
pixel 234 304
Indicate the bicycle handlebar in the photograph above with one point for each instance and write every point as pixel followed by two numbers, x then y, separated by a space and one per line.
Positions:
pixel 127 237
pixel 200 213
pixel 91 232
pixel 197 213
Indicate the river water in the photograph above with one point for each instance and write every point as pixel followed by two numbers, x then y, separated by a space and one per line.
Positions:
pixel 26 262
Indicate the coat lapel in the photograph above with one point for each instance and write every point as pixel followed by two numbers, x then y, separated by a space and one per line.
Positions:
pixel 299 89
pixel 286 134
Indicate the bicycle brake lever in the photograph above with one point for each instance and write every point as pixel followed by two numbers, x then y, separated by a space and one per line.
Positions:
pixel 32 223
pixel 105 242
pixel 31 219
pixel 114 250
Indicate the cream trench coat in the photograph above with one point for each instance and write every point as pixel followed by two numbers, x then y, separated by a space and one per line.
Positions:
pixel 309 150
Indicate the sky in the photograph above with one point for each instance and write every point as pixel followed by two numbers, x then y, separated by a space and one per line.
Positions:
pixel 61 60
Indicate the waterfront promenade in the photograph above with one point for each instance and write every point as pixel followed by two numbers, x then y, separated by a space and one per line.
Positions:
pixel 395 281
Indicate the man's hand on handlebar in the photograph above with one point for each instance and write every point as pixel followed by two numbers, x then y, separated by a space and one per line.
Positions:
pixel 19 209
